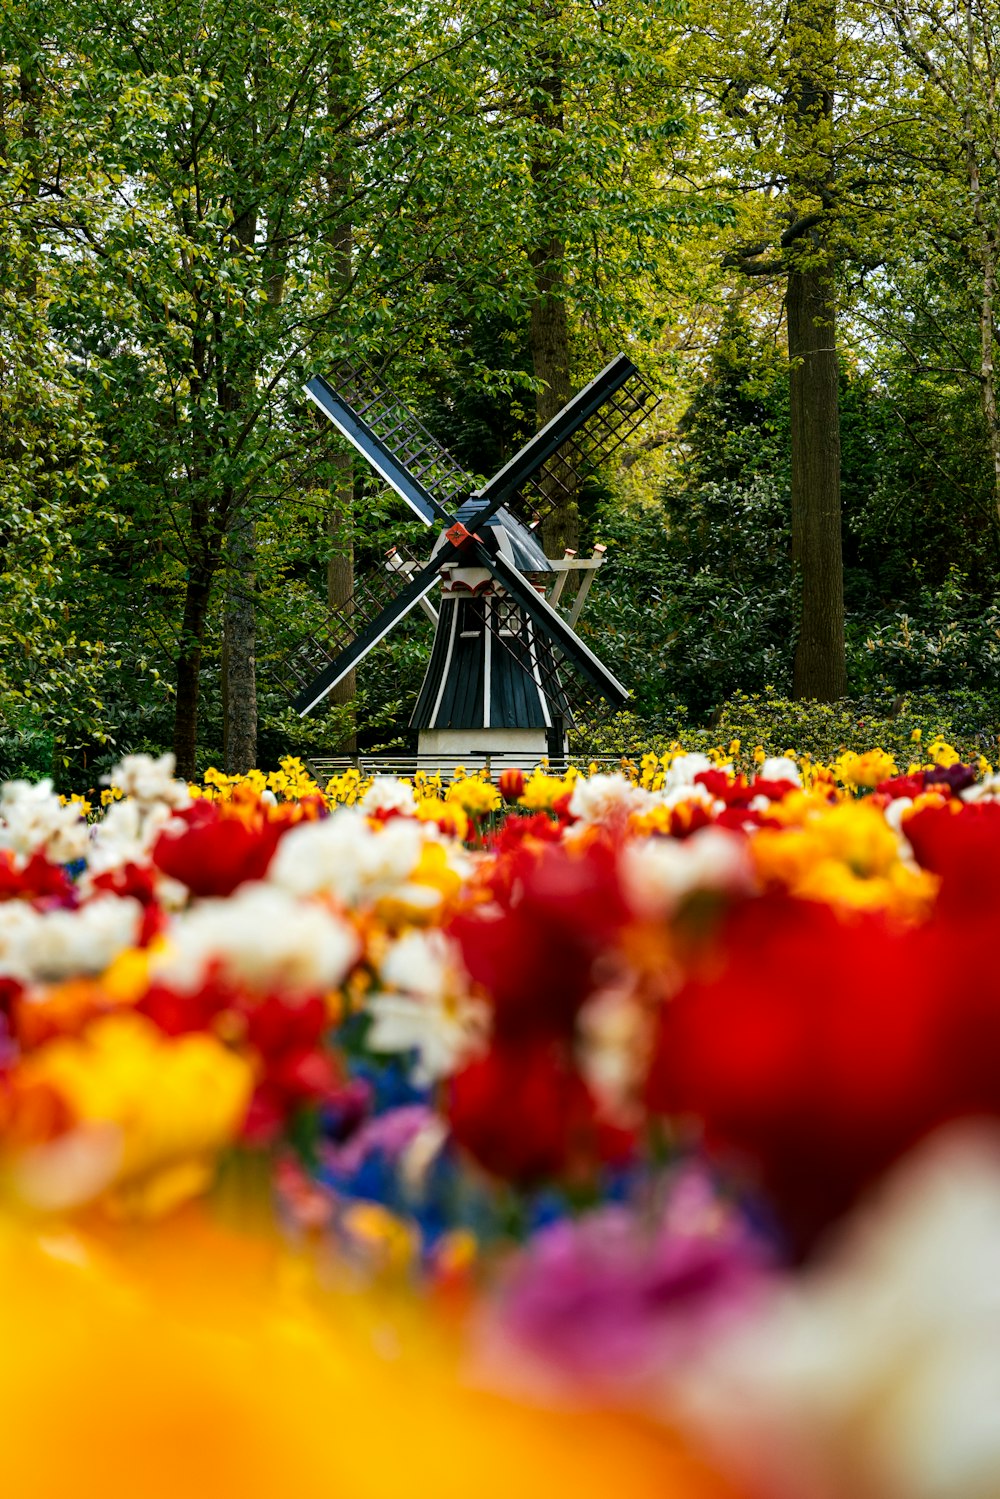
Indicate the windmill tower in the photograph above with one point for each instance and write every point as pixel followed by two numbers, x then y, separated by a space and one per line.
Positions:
pixel 507 666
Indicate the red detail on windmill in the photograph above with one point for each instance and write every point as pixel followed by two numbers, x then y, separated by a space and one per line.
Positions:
pixel 458 535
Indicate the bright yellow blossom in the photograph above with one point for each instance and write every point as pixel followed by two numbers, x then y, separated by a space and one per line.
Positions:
pixel 451 817
pixel 845 854
pixel 167 1104
pixel 75 800
pixel 476 796
pixel 942 753
pixel 542 790
pixel 864 771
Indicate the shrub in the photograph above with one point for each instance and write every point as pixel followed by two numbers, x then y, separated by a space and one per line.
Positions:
pixel 969 721
pixel 27 748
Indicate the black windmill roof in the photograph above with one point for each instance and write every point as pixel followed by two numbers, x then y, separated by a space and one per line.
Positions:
pixel 502 534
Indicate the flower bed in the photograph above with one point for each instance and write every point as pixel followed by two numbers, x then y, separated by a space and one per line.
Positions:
pixel 665 1095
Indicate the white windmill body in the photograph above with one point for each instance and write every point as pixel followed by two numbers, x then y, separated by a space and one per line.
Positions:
pixel 484 691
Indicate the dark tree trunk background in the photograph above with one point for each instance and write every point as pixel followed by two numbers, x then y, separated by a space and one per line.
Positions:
pixel 549 321
pixel 819 669
pixel 196 600
pixel 549 331
pixel 239 623
pixel 240 648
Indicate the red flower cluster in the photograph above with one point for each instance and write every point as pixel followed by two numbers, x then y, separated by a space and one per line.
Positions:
pixel 511 784
pixel 517 829
pixel 285 1036
pixel 38 881
pixel 219 846
pixel 137 882
pixel 819 1047
pixel 556 911
pixel 523 1110
pixel 737 796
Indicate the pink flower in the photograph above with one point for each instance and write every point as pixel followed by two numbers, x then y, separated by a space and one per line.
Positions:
pixel 609 1301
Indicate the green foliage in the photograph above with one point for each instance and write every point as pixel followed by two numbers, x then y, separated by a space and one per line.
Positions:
pixel 27 747
pixel 198 213
pixel 968 720
pixel 695 599
pixel 952 636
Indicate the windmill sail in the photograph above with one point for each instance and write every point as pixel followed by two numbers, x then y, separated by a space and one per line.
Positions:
pixel 585 432
pixel 483 554
pixel 393 440
pixel 373 591
pixel 360 632
pixel 557 631
pixel 593 442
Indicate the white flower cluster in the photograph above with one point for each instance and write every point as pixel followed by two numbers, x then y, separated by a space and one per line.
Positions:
pixel 986 790
pixel 388 794
pixel 610 799
pixel 149 781
pixel 263 938
pixel 658 873
pixel 780 768
pixel 877 1372
pixel 40 946
pixel 606 799
pixel 358 864
pixel 425 1007
pixel 126 834
pixel 34 821
pixel 683 769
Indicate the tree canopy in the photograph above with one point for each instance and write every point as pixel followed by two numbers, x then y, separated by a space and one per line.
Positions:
pixel 788 215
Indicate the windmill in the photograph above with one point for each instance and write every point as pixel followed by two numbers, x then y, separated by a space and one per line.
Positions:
pixel 507 668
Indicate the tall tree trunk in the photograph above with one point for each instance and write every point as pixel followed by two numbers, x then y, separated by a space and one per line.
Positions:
pixel 549 321
pixel 819 668
pixel 196 601
pixel 239 625
pixel 549 332
pixel 240 647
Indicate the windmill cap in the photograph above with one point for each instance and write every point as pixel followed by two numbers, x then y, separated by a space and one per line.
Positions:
pixel 503 534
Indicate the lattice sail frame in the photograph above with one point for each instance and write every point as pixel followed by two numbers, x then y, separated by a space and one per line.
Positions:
pixel 407 457
pixel 569 693
pixel 604 431
pixel 402 432
pixel 373 591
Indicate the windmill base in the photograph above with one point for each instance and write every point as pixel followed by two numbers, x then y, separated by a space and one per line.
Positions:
pixel 518 746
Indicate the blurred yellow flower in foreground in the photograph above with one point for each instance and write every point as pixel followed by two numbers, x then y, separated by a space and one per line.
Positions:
pixel 148 1115
pixel 192 1361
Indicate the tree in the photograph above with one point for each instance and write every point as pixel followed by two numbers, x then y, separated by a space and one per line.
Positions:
pixel 811 300
pixel 50 455
pixel 769 92
pixel 208 266
pixel 945 256
pixel 585 115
